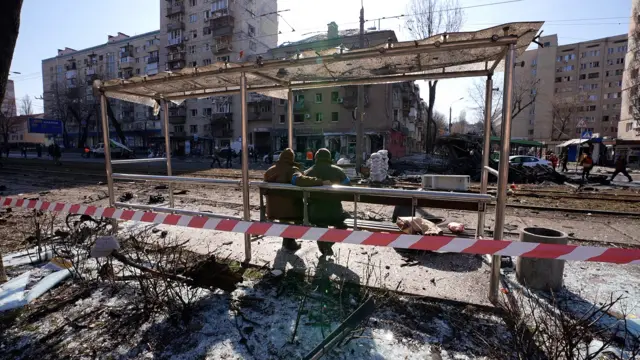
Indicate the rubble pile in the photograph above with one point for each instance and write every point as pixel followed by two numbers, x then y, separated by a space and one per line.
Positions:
pixel 533 174
pixel 379 165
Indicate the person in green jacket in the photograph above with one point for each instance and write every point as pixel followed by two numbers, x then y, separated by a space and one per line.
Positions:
pixel 327 211
pixel 285 208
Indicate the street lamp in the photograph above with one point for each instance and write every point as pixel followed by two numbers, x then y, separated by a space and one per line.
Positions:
pixel 462 98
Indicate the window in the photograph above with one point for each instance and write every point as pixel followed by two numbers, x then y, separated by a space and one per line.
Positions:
pixel 206 31
pixel 251 30
pixel 559 58
pixel 614 129
pixel 206 111
pixel 628 127
pixel 193 49
pixel 334 116
pixel 335 96
pixel 137 71
pixel 583 55
pixel 298 118
pixel 193 18
pixel 593 86
pixel 530 131
pixel 206 15
pixel 546 44
pixel 622 49
pixel 610 51
pixel 318 117
pixel 534 62
pixel 318 98
pixel 593 97
pixel 618 72
pixel 590 108
pixel 298 97
pixel 582 76
pixel 533 72
pixel 223 58
pixel 193 128
pixel 252 45
pixel 282 102
pixel 219 5
pixel 178 128
pixel 569 57
pixel 194 112
pixel 583 66
pixel 630 109
pixel 558 79
pixel 594 75
pixel 594 64
pixel 193 2
pixel 193 34
pixel 605 118
pixel 206 62
pixel 605 106
pixel 281 119
pixel 610 62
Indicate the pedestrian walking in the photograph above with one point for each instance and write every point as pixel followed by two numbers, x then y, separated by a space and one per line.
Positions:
pixel 554 160
pixel 57 154
pixel 587 165
pixel 215 158
pixel 24 151
pixel 564 159
pixel 39 150
pixel 621 167
pixel 229 156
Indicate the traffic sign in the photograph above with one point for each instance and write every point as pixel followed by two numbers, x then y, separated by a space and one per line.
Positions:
pixel 586 134
pixel 581 124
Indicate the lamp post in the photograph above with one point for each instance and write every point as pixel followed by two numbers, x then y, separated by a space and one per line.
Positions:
pixel 462 98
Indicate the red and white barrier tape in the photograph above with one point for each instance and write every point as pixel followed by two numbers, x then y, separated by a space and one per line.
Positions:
pixel 415 242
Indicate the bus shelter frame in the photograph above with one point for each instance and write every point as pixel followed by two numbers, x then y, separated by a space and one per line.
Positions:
pixel 252 78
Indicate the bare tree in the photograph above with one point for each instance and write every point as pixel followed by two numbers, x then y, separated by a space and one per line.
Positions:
pixel 440 120
pixel 524 95
pixel 563 110
pixel 9 27
pixel 26 106
pixel 429 18
pixel 8 121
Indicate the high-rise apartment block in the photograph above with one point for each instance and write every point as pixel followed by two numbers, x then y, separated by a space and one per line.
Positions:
pixel 68 94
pixel 199 33
pixel 589 73
pixel 629 127
pixel 8 106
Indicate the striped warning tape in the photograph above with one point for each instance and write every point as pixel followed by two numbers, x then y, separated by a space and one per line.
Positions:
pixel 415 242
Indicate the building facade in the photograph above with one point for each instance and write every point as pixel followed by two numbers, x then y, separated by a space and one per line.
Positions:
pixel 200 32
pixel 8 106
pixel 67 84
pixel 589 73
pixel 324 117
pixel 629 126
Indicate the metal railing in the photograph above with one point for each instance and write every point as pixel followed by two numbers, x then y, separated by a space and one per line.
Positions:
pixel 138 161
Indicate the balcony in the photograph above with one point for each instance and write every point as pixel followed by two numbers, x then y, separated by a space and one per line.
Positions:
pixel 175 25
pixel 300 105
pixel 91 78
pixel 175 9
pixel 261 116
pixel 180 133
pixel 222 25
pixel 151 69
pixel 177 115
pixel 126 62
pixel 222 47
pixel 175 42
pixel 127 74
pixel 153 60
pixel 71 74
pixel 350 102
pixel 153 47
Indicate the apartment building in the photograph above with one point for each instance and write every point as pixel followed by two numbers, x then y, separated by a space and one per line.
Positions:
pixel 324 117
pixel 629 126
pixel 68 77
pixel 200 32
pixel 588 72
pixel 8 107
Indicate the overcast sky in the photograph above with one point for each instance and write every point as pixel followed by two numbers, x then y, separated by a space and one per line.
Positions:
pixel 48 25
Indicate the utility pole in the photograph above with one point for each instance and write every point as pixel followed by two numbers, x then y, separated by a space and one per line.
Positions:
pixel 449 120
pixel 360 115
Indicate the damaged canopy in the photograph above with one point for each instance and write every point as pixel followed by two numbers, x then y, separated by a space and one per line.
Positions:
pixel 451 55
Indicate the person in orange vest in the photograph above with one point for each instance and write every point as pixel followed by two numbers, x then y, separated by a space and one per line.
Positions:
pixel 309 158
pixel 587 165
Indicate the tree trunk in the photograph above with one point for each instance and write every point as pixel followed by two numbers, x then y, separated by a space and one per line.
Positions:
pixel 432 100
pixel 116 125
pixel 9 27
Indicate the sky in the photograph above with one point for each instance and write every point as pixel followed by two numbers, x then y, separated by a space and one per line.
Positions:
pixel 49 25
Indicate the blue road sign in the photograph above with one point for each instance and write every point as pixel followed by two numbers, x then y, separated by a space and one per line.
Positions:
pixel 586 134
pixel 45 126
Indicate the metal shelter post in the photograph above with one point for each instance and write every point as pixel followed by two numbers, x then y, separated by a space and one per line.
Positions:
pixel 360 112
pixel 107 147
pixel 503 169
pixel 486 151
pixel 245 164
pixel 290 119
pixel 167 147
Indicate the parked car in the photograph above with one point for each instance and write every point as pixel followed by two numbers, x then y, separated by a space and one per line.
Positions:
pixel 276 156
pixel 525 160
pixel 117 150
